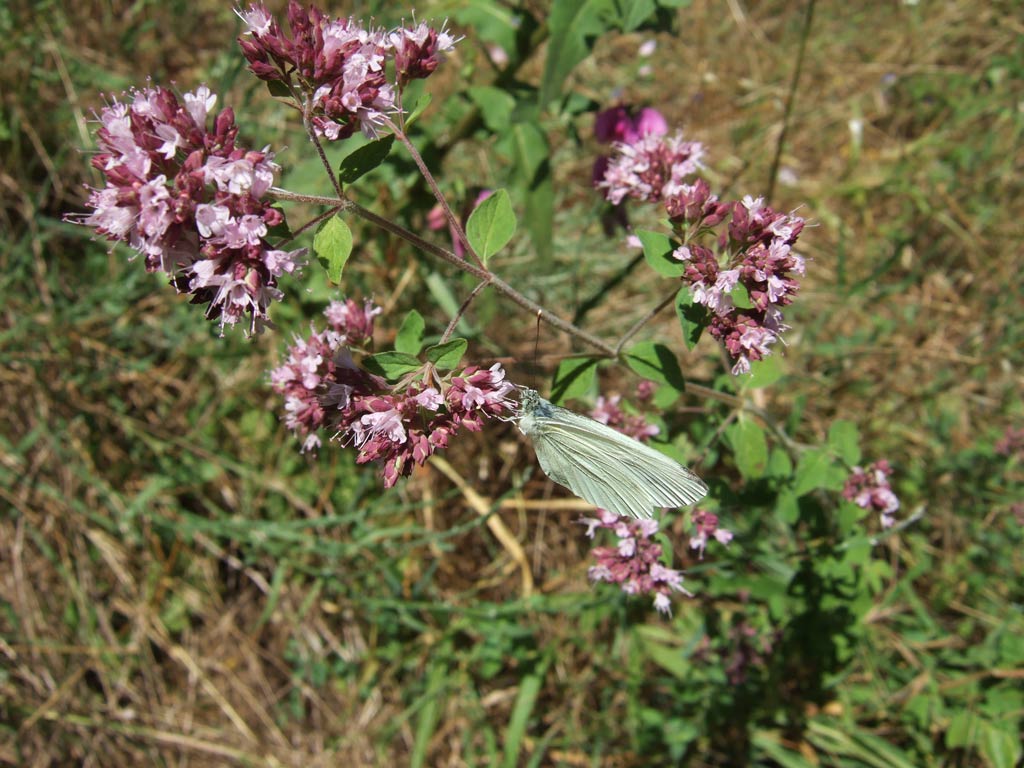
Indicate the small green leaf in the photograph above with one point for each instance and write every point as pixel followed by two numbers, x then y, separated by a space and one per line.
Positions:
pixel 410 336
pixel 764 372
pixel 779 464
pixel 573 378
pixel 1000 746
pixel 812 471
pixel 657 363
pixel 740 297
pixel 750 448
pixel 448 355
pixel 418 109
pixel 391 365
pixel 844 439
pixel 693 317
pixel 495 105
pixel 787 508
pixel 332 245
pixel 279 89
pixel 658 249
pixel 491 225
pixel 363 160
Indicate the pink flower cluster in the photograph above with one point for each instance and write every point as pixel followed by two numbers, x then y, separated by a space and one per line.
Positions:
pixel 706 524
pixel 310 378
pixel 325 389
pixel 189 199
pixel 869 489
pixel 340 64
pixel 634 563
pixel 762 262
pixel 650 168
pixel 607 411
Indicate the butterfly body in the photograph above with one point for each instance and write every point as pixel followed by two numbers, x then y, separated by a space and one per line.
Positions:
pixel 601 465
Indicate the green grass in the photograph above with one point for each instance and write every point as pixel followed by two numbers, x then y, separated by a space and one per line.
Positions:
pixel 179 585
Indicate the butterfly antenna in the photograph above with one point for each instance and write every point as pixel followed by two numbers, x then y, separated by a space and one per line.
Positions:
pixel 536 354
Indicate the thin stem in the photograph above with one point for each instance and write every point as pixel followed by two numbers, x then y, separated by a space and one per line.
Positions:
pixel 453 220
pixel 790 98
pixel 480 273
pixel 307 109
pixel 643 321
pixel 462 310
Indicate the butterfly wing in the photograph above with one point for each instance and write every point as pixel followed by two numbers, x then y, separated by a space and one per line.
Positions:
pixel 607 468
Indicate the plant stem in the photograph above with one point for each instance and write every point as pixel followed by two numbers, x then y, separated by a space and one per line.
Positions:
pixel 481 273
pixel 307 109
pixel 790 98
pixel 462 310
pixel 643 321
pixel 453 220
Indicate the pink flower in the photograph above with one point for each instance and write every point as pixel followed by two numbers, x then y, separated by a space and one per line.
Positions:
pixel 634 562
pixel 342 64
pixel 190 200
pixel 706 524
pixel 650 168
pixel 607 411
pixel 869 489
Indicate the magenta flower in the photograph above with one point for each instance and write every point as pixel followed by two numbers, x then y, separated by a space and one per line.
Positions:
pixel 762 262
pixel 869 489
pixel 634 563
pixel 400 427
pixel 706 524
pixel 340 64
pixel 650 168
pixel 607 411
pixel 190 200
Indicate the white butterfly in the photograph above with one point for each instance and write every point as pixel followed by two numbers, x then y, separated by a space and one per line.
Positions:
pixel 601 465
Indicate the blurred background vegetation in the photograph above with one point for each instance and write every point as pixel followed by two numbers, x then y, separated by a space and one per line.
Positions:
pixel 178 586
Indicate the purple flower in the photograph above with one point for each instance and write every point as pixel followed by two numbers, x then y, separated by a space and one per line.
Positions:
pixel 634 563
pixel 340 63
pixel 607 411
pixel 706 524
pixel 650 168
pixel 869 489
pixel 398 426
pixel 190 200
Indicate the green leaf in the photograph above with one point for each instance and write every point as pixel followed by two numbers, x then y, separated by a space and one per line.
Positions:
pixel 657 363
pixel 363 160
pixel 672 660
pixel 779 464
pixel 812 471
pixel 332 245
pixel 693 317
pixel 764 372
pixel 278 89
pixel 491 225
pixel 448 355
pixel 418 109
pixel 636 13
pixel 410 336
pixel 495 105
pixel 787 508
pixel 573 378
pixel 391 365
pixel 960 731
pixel 750 448
pixel 526 700
pixel 573 27
pixel 527 146
pixel 844 440
pixel 740 297
pixel 658 249
pixel 1000 746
